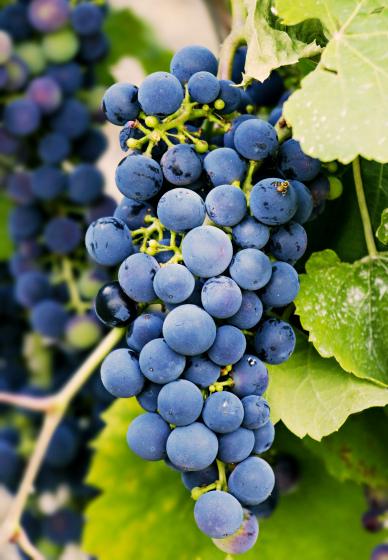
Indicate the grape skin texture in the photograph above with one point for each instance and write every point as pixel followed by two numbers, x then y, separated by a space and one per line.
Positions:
pixel 283 286
pixel 230 95
pixel 295 164
pixel 224 166
pixel 48 318
pixel 201 371
pixel 251 269
pixel 289 242
pixel 108 241
pixel 250 376
pixel 112 306
pixel 244 539
pixel 133 212
pixel 181 165
pixel 120 103
pixel 180 402
pixel 148 398
pixel 223 412
pixel 256 412
pixel 274 341
pixel 218 514
pixel 181 210
pixel 138 177
pixel 272 206
pixel 192 448
pixel 189 330
pixel 159 363
pixel 221 297
pixel 264 438
pixel 255 139
pixel 235 446
pixel 226 205
pixel 207 251
pixel 228 347
pixel 147 436
pixel 143 329
pixel 203 87
pixel 192 59
pixel 250 234
pixel 121 375
pixel 305 202
pixel 136 275
pixel 252 481
pixel 174 283
pixel 160 94
pixel 249 313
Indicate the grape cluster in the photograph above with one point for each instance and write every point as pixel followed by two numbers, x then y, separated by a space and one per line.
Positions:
pixel 50 141
pixel 209 229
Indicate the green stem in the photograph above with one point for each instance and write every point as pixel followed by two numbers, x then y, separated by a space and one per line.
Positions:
pixel 76 302
pixel 247 185
pixel 368 232
pixel 222 475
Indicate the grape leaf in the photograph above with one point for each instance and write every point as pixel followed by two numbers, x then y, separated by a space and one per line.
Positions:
pixel 271 45
pixel 145 513
pixel 358 451
pixel 344 307
pixel 313 396
pixel 331 114
pixel 131 36
pixel 382 230
pixel 6 245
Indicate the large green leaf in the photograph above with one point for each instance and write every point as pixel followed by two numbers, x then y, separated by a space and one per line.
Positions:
pixel 341 110
pixel 131 36
pixel 313 396
pixel 270 44
pixel 6 245
pixel 358 451
pixel 344 307
pixel 382 230
pixel 144 512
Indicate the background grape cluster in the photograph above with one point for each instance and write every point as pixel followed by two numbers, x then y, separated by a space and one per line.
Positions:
pixel 209 228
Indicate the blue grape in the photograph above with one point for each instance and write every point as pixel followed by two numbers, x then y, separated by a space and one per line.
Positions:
pixel 235 446
pixel 203 87
pixel 250 376
pixel 10 465
pixel 226 205
pixel 192 448
pixel 229 136
pixel 86 184
pixel 238 66
pixel 68 76
pixel 8 144
pixel 207 251
pixel 129 131
pixel 31 287
pixel 255 139
pixel 256 412
pixel 62 235
pixel 181 210
pixel 112 306
pixel 181 165
pixel 19 188
pixel 173 283
pixel 143 329
pixel 139 177
pixel 267 93
pixel 380 552
pixel 228 347
pixel 266 508
pixel 250 234
pixel 189 330
pixel 148 398
pixel 305 202
pixel 48 182
pixel 62 527
pixel 221 297
pixel 252 481
pixel 86 18
pixel 10 434
pixel 48 317
pixel 24 222
pixel 160 94
pixel 273 201
pixel 120 373
pixel 180 402
pixel 133 212
pixel 22 117
pixel 319 188
pixel 94 47
pixel 48 15
pixel 230 95
pixel 17 73
pixel 104 206
pixel 72 119
pixel 192 59
pixel 195 479
pixel 120 103
pixel 295 164
pixel 218 514
pixel 201 371
pixel 46 93
pixel 53 148
pixel 274 341
pixel 283 286
pixel 14 20
pixel 223 412
pixel 91 145
pixel 136 276
pixel 251 269
pixel 159 363
pixel 249 313
pixel 147 436
pixel 275 115
pixel 224 166
pixel 264 437
pixel 289 242
pixel 63 446
pixel 243 539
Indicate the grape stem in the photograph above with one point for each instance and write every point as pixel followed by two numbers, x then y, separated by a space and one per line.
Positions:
pixel 54 409
pixel 365 218
pixel 67 274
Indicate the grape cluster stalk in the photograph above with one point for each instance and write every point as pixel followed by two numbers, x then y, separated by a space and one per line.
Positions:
pixel 205 240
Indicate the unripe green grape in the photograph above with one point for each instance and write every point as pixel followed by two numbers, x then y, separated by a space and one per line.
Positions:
pixel 89 284
pixel 93 98
pixel 32 54
pixel 83 332
pixel 336 188
pixel 60 46
pixel 219 104
pixel 332 166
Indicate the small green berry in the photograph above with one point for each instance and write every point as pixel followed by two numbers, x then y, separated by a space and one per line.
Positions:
pixel 219 104
pixel 336 188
